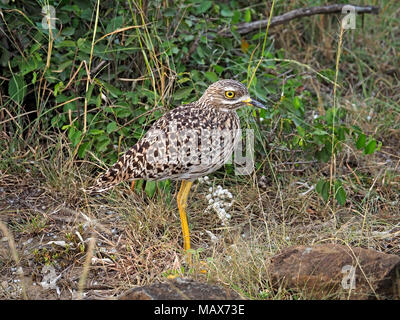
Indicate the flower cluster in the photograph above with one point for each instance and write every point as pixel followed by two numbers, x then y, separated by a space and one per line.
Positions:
pixel 220 200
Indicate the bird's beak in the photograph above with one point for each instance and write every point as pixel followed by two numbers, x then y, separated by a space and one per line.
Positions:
pixel 254 103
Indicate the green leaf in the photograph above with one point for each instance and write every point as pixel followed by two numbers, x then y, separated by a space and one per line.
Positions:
pixel 187 38
pixel 114 23
pixel 182 93
pixel 17 88
pixel 226 13
pixel 236 17
pixel 330 115
pixel 139 185
pixel 96 132
pixel 66 44
pixel 187 21
pixel 115 92
pixel 123 112
pixel 62 66
pixel 212 76
pixel 322 188
pixel 74 135
pixel 69 31
pixel 57 87
pixel 325 191
pixel 342 133
pixel 82 149
pixel 340 194
pixel 150 188
pixel 34 76
pixel 83 45
pixel 370 147
pixel 319 132
pixel 204 6
pixel 218 68
pixel 319 186
pixel 29 65
pixel 112 126
pixel 378 148
pixel 102 143
pixel 89 92
pixel 296 103
pixel 247 15
pixel 360 143
pixel 301 131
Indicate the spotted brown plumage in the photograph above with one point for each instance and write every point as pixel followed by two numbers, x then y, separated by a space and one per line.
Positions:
pixel 187 142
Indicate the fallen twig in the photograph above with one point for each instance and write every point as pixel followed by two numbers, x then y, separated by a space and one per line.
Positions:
pixel 247 27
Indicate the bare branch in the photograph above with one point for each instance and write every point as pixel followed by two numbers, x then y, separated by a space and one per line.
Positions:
pixel 247 27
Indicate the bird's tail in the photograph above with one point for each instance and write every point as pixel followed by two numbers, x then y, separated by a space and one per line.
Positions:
pixel 122 170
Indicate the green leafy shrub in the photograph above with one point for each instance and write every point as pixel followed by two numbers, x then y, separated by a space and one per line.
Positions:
pixel 111 68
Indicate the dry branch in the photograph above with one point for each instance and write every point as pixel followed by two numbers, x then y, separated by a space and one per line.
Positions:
pixel 247 27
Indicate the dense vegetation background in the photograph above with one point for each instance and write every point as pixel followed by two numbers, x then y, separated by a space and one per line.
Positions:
pixel 74 97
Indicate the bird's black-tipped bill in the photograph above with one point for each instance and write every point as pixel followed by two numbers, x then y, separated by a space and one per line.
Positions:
pixel 254 103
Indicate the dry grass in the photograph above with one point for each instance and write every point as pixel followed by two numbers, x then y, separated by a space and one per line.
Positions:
pixel 138 240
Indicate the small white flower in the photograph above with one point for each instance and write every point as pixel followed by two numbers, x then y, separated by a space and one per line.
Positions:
pixel 219 203
pixel 216 205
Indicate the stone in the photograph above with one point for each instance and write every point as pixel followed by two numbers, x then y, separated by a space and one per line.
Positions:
pixel 179 289
pixel 329 271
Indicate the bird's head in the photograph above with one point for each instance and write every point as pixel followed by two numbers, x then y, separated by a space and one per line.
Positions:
pixel 228 95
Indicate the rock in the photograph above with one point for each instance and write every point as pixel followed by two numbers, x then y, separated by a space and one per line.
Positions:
pixel 337 271
pixel 179 289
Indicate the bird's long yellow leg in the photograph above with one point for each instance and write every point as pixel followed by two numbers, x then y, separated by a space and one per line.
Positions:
pixel 133 185
pixel 182 204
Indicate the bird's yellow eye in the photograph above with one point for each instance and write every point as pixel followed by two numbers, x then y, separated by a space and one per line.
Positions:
pixel 229 94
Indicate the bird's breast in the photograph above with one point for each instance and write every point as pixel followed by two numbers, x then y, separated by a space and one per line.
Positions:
pixel 191 142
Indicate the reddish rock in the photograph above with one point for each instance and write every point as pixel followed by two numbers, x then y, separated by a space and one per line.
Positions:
pixel 336 271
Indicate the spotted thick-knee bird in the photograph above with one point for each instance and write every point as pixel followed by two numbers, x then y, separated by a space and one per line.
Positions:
pixel 189 141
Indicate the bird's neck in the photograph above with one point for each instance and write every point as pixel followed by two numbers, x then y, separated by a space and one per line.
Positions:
pixel 204 102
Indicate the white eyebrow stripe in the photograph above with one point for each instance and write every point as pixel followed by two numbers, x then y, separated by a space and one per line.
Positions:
pixel 230 89
pixel 232 101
